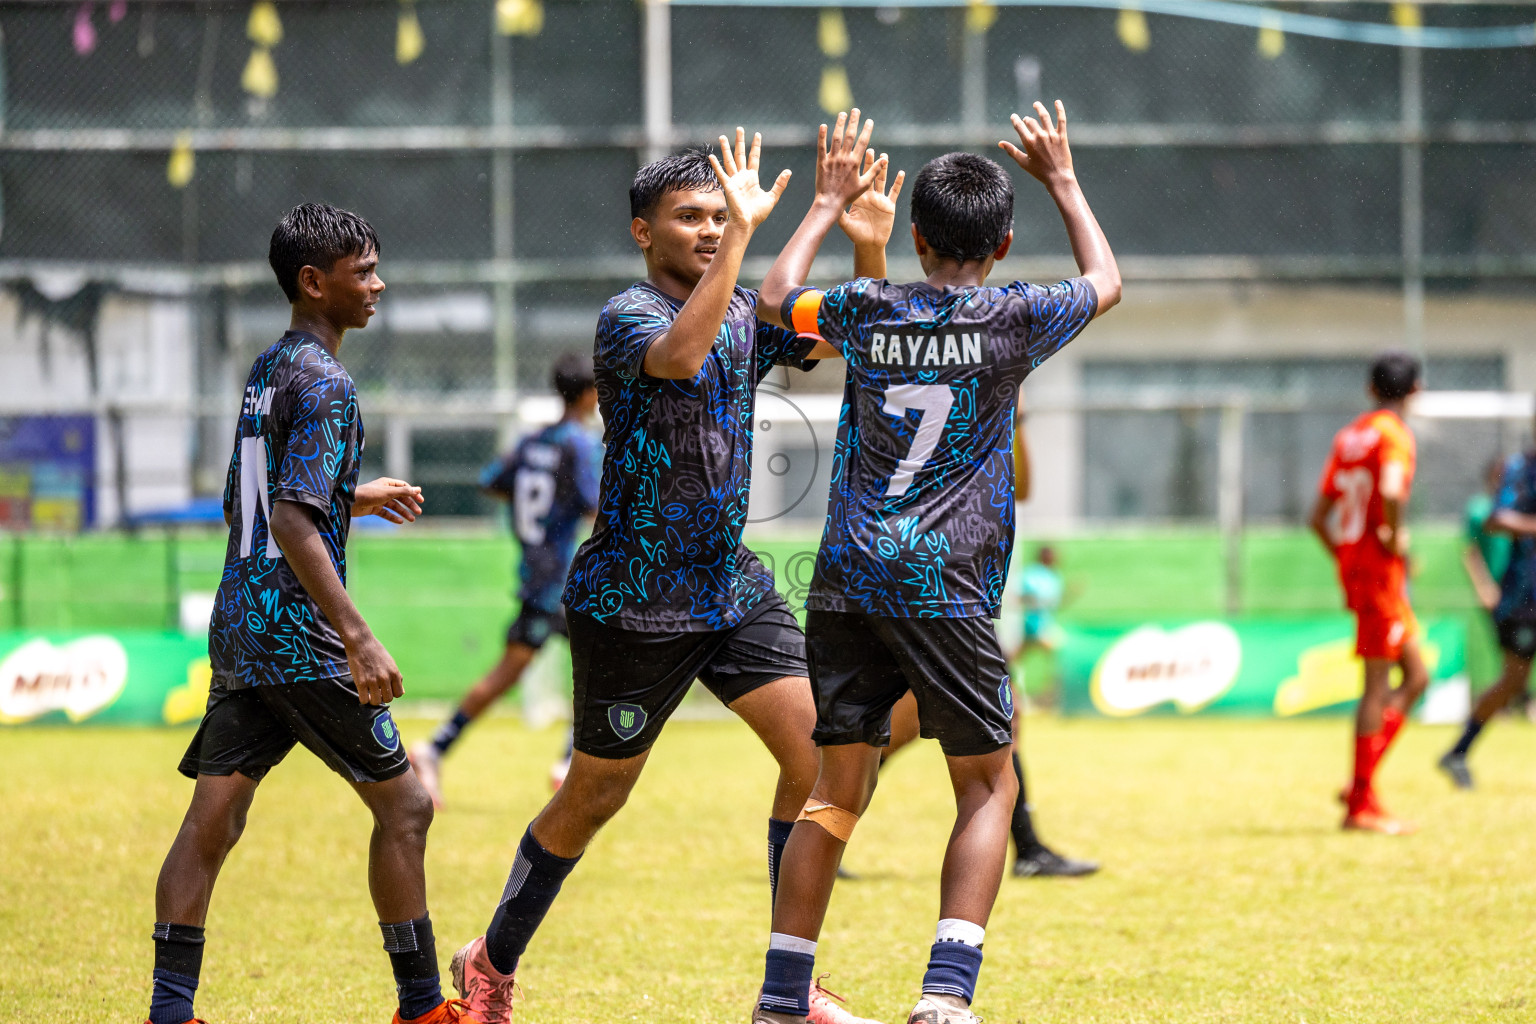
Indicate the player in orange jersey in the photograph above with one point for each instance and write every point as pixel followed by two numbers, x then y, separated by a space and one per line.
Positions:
pixel 1359 517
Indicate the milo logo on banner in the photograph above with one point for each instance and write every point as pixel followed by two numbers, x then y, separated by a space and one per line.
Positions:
pixel 79 678
pixel 1188 667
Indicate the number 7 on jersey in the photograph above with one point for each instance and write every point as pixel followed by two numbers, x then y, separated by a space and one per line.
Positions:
pixel 934 401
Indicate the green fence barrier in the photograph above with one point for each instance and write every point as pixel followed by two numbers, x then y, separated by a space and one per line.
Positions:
pixel 1280 667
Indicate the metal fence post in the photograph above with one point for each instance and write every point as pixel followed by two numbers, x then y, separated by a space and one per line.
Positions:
pixel 503 291
pixel 1229 503
pixel 1412 88
pixel 656 64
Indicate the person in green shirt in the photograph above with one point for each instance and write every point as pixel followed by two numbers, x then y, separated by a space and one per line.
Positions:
pixel 1486 555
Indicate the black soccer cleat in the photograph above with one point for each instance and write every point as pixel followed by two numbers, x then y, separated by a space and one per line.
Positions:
pixel 1455 765
pixel 1043 862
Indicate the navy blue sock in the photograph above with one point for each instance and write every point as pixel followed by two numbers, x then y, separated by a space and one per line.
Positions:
pixel 178 964
pixel 1468 737
pixel 952 969
pixel 532 886
pixel 171 1001
pixel 449 731
pixel 412 953
pixel 778 835
pixel 787 982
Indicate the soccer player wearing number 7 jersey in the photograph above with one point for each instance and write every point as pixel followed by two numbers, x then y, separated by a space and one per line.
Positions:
pixel 915 553
pixel 1359 517
pixel 293 661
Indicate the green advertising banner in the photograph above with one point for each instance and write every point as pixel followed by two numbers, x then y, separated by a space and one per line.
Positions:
pixel 1278 667
pixel 120 678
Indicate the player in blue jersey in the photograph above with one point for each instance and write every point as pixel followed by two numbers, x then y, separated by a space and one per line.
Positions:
pixel 1514 616
pixel 550 482
pixel 664 592
pixel 915 552
pixel 293 661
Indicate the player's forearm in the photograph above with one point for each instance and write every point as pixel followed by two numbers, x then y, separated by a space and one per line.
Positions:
pixel 793 266
pixel 1095 259
pixel 678 354
pixel 869 261
pixel 304 550
pixel 1520 524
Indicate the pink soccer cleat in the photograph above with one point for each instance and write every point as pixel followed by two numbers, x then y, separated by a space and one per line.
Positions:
pixel 826 1008
pixel 487 991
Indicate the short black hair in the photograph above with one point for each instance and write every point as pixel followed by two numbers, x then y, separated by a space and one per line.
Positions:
pixel 316 235
pixel 962 204
pixel 572 376
pixel 1394 375
pixel 685 171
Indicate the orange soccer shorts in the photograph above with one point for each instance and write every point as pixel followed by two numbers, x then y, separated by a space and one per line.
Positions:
pixel 1384 619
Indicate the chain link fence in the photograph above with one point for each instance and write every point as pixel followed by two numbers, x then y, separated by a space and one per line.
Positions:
pixel 145 158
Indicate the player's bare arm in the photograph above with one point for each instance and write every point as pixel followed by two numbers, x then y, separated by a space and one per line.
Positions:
pixel 373 669
pixel 1048 159
pixel 841 178
pixel 1318 521
pixel 1394 487
pixel 388 498
pixel 1518 524
pixel 680 352
pixel 1483 583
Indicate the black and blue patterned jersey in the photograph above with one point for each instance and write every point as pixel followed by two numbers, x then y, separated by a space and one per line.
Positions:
pixel 665 554
pixel 920 519
pixel 1517 493
pixel 299 438
pixel 550 482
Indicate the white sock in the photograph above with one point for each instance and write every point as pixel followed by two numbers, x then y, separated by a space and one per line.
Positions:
pixel 953 929
pixel 791 943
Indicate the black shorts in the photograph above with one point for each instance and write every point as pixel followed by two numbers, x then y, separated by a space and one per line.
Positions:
pixel 1517 635
pixel 251 729
pixel 628 682
pixel 533 626
pixel 861 665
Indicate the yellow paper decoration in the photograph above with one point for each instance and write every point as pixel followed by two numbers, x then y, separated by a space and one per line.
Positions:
pixel 519 17
pixel 832 33
pixel 264 27
pixel 179 168
pixel 1271 41
pixel 1407 16
pixel 409 42
pixel 979 16
pixel 835 95
pixel 260 75
pixel 1132 29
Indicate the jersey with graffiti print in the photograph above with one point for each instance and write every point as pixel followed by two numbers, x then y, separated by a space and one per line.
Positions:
pixel 300 439
pixel 550 482
pixel 665 554
pixel 920 519
pixel 1517 493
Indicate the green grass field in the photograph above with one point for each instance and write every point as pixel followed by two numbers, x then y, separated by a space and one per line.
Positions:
pixel 1229 895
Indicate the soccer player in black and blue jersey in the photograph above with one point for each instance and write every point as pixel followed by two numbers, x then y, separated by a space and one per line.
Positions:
pixel 293 661
pixel 550 482
pixel 915 553
pixel 664 591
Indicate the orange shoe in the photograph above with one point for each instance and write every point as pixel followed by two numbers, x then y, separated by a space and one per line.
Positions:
pixel 453 1011
pixel 825 1008
pixel 487 992
pixel 1378 820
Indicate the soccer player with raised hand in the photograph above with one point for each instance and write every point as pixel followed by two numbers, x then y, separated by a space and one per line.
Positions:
pixel 1361 501
pixel 293 661
pixel 915 553
pixel 664 592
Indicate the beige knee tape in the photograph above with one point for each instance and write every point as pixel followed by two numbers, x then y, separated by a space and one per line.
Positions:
pixel 837 822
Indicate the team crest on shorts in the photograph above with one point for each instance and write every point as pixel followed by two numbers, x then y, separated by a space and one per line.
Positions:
pixel 627 720
pixel 1005 696
pixel 385 732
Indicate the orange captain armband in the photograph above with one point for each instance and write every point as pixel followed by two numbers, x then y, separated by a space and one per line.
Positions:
pixel 802 311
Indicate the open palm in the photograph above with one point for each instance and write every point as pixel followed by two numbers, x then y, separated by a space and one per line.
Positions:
pixel 746 201
pixel 869 219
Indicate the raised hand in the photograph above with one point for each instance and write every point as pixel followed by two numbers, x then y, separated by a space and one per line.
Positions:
pixel 869 219
pixel 388 498
pixel 1045 155
pixel 745 201
pixel 842 172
